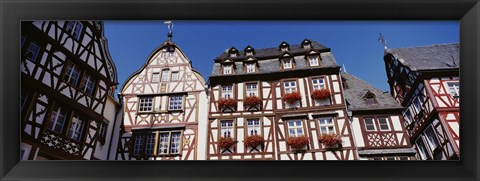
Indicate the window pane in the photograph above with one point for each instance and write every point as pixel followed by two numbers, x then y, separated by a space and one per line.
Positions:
pixel 163 143
pixel 383 123
pixel 175 146
pixel 165 75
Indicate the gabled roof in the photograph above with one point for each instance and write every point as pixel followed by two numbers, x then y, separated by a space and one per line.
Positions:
pixel 356 91
pixel 440 56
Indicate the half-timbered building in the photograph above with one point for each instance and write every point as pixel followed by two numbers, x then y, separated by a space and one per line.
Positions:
pixel 276 103
pixel 425 80
pixel 67 86
pixel 377 122
pixel 164 109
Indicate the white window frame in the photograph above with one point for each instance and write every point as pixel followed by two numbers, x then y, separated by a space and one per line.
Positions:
pixel 57 120
pixel 290 86
pixel 453 88
pixel 424 154
pixel 227 92
pixel 313 60
pixel 373 123
pixel 327 123
pixel 287 63
pixel 251 89
pixel 32 49
pixel 250 67
pixel 408 116
pixel 76 128
pixel 226 129
pixel 253 127
pixel 227 69
pixel 72 74
pixel 386 122
pixel 88 84
pixel 175 142
pixel 165 75
pixel 433 142
pixel 174 76
pixel 175 102
pixel 295 128
pixel 75 28
pixel 155 76
pixel 145 104
pixel 318 83
pixel 163 143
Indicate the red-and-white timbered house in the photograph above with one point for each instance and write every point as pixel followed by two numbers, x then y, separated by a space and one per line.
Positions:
pixel 67 84
pixel 377 122
pixel 260 99
pixel 164 109
pixel 425 80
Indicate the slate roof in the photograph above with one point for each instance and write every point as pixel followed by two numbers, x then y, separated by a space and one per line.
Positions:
pixel 429 57
pixel 356 90
pixel 268 59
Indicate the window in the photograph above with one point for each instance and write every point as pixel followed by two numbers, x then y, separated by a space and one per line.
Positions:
pixel 57 120
pixel 32 52
pixel 408 116
pixel 295 128
pixel 88 84
pixel 149 144
pixel 155 77
pixel 175 143
pixel 227 69
pixel 284 48
pixel 250 67
pixel 103 130
pixel 424 155
pixel 454 89
pixel 253 127
pixel 76 128
pixel 137 149
pixel 369 124
pixel 249 53
pixel 175 103
pixel 227 92
pixel 72 74
pixel 431 138
pixel 287 64
pixel 74 28
pixel 326 125
pixel 383 123
pixel 174 76
pixel 251 89
pixel 163 143
pixel 417 103
pixel 165 75
pixel 290 86
pixel 146 104
pixel 226 128
pixel 318 83
pixel 370 100
pixel 313 60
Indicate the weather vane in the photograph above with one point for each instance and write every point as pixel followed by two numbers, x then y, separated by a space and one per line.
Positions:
pixel 382 40
pixel 170 28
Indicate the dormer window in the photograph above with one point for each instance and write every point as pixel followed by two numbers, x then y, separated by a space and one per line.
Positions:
pixel 284 47
pixel 287 64
pixel 250 67
pixel 306 44
pixel 233 52
pixel 313 60
pixel 249 51
pixel 369 98
pixel 227 69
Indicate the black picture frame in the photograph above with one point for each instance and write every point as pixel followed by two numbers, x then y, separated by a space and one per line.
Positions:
pixel 12 12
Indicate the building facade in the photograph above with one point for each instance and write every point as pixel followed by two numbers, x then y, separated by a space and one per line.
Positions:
pixel 377 122
pixel 425 80
pixel 164 109
pixel 68 82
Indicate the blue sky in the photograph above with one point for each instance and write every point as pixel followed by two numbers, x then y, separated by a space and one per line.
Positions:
pixel 353 43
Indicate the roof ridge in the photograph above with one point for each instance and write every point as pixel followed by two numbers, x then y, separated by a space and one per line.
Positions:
pixel 424 46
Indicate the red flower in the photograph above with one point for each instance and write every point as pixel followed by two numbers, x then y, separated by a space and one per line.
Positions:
pixel 291 97
pixel 227 102
pixel 225 142
pixel 330 139
pixel 253 140
pixel 321 94
pixel 297 143
pixel 252 101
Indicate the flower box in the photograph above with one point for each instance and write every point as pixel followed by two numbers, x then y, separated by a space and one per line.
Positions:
pixel 253 141
pixel 225 143
pixel 321 94
pixel 330 141
pixel 291 98
pixel 297 143
pixel 227 103
pixel 252 101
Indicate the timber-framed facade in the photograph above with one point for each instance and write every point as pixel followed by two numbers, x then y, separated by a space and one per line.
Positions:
pixel 67 86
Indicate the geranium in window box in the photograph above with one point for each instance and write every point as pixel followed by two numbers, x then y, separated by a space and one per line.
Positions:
pixel 253 141
pixel 291 98
pixel 252 102
pixel 321 94
pixel 225 143
pixel 330 141
pixel 224 103
pixel 297 143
